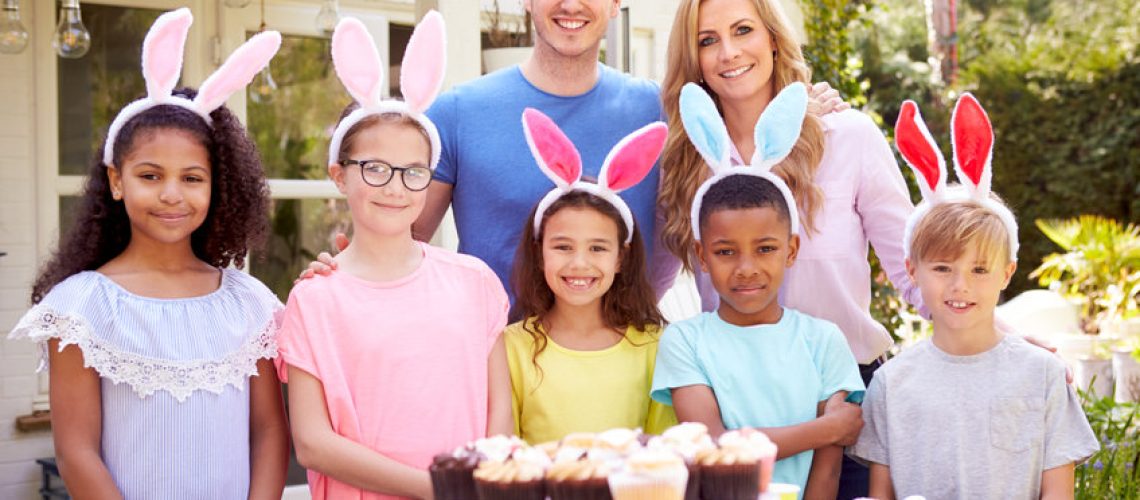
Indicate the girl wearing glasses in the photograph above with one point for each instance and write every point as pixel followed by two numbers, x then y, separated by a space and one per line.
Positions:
pixel 396 355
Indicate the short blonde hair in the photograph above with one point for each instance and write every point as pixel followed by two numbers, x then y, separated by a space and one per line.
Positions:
pixel 949 228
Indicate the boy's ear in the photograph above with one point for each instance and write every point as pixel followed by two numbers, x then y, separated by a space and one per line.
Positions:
pixel 910 269
pixel 1009 270
pixel 336 173
pixel 793 249
pixel 699 250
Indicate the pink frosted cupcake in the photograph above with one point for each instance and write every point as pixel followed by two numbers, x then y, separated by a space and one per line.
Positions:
pixel 650 475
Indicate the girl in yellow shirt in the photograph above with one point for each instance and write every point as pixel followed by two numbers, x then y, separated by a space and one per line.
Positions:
pixel 581 359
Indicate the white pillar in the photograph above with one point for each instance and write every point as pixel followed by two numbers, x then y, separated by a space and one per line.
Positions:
pixel 463 19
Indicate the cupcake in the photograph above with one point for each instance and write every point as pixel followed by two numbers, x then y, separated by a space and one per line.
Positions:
pixel 731 471
pixel 615 445
pixel 578 480
pixel 686 439
pixel 451 474
pixel 758 443
pixel 574 446
pixel 520 477
pixel 650 475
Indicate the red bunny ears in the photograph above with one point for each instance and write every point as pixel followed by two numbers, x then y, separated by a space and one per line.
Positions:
pixel 627 163
pixel 972 138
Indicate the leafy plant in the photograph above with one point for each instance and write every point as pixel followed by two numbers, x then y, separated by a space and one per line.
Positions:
pixel 829 51
pixel 1100 266
pixel 1114 470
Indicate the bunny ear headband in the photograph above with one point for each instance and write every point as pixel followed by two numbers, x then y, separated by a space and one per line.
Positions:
pixel 626 164
pixel 162 65
pixel 359 68
pixel 972 138
pixel 776 133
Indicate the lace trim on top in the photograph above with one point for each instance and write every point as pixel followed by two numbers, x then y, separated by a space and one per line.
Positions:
pixel 147 375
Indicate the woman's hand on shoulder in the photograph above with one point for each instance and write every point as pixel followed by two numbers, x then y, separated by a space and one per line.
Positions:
pixel 325 263
pixel 822 99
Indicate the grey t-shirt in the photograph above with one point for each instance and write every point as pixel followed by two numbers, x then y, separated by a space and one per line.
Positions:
pixel 981 426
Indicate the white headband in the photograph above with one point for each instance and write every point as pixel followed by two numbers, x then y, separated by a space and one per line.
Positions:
pixel 162 64
pixel 627 163
pixel 972 138
pixel 360 69
pixel 775 135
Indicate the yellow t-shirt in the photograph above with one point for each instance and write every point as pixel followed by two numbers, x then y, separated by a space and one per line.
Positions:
pixel 584 391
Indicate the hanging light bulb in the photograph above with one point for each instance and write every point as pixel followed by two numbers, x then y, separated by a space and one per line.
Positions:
pixel 71 39
pixel 262 89
pixel 236 4
pixel 328 17
pixel 13 35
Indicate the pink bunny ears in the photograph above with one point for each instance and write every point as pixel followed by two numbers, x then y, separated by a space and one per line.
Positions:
pixel 627 164
pixel 360 69
pixel 972 138
pixel 162 65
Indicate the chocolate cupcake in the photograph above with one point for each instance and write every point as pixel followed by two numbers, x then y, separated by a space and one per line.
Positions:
pixel 732 471
pixel 578 480
pixel 451 474
pixel 509 480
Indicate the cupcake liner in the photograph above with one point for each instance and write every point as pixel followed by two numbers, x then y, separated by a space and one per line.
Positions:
pixel 585 489
pixel 520 490
pixel 452 480
pixel 630 486
pixel 738 481
pixel 693 486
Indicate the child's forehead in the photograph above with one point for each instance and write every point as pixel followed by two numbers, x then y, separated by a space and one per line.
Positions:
pixel 757 221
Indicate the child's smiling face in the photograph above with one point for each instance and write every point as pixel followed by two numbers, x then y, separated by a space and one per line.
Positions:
pixel 581 254
pixel 391 208
pixel 961 293
pixel 164 183
pixel 745 252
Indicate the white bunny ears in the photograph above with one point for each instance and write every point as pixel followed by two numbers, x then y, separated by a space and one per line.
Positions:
pixel 360 69
pixel 972 138
pixel 627 163
pixel 775 135
pixel 162 65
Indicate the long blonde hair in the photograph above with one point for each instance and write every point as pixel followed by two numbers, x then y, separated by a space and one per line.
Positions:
pixel 683 170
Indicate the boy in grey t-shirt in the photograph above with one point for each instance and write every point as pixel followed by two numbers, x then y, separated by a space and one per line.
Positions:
pixel 970 413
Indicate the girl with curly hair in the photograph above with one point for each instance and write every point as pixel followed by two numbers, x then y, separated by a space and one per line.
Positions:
pixel 159 352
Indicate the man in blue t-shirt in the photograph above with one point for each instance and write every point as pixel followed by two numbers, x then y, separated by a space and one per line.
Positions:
pixel 486 170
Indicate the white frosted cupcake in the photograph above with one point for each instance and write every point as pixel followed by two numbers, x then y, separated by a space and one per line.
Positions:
pixel 650 475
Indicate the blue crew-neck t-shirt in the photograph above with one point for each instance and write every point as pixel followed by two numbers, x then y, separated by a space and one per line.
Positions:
pixel 762 376
pixel 495 180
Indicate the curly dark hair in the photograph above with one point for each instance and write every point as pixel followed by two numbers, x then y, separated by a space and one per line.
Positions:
pixel 236 223
pixel 629 302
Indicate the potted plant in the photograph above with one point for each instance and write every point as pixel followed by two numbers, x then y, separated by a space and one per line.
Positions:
pixel 509 36
pixel 1100 270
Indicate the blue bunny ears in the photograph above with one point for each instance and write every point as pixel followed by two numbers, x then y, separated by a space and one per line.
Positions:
pixel 775 135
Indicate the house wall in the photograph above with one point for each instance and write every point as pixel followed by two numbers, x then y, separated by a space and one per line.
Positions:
pixel 19 384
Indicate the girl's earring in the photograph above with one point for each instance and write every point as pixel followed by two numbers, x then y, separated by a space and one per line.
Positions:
pixel 116 196
pixel 775 54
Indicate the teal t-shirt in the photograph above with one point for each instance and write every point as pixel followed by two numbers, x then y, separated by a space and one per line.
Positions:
pixel 763 375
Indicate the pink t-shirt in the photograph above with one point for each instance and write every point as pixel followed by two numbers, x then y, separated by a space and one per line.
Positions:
pixel 403 363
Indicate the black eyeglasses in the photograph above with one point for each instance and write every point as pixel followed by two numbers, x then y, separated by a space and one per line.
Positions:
pixel 378 173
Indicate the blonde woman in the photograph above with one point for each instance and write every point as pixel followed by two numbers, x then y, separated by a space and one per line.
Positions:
pixel 842 173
